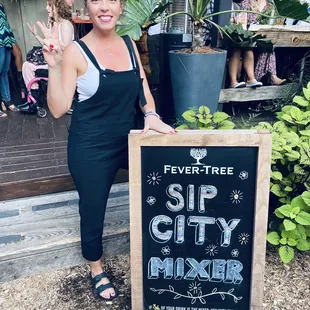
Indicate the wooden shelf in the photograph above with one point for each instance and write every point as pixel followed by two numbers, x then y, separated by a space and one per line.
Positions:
pixel 285 35
pixel 82 21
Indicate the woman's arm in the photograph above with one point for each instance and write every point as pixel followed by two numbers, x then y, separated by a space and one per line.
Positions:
pixel 62 82
pixel 152 121
pixel 150 103
pixel 67 32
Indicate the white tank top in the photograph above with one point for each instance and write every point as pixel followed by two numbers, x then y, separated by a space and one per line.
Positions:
pixel 87 84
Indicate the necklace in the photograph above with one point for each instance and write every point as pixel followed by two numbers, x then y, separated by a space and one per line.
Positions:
pixel 105 51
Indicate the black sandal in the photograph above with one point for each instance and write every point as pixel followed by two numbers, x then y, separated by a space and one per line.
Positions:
pixel 98 290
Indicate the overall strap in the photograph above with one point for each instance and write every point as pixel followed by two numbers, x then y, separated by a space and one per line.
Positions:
pixel 89 54
pixel 133 57
pixel 135 64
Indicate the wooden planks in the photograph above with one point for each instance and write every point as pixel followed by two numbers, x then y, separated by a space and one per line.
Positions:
pixel 42 233
pixel 285 35
pixel 256 94
pixel 37 168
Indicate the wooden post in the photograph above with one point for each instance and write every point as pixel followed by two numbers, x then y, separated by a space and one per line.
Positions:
pixel 223 19
pixel 198 219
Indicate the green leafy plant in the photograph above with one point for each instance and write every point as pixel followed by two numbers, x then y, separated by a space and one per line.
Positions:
pixel 143 12
pixel 294 231
pixel 290 176
pixel 201 118
pixel 139 15
pixel 236 36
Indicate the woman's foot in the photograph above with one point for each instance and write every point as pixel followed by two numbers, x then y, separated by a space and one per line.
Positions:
pixel 100 278
pixel 2 115
pixel 254 83
pixel 277 81
pixel 9 105
pixel 238 85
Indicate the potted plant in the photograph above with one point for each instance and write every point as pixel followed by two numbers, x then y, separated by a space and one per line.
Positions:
pixel 197 73
pixel 138 16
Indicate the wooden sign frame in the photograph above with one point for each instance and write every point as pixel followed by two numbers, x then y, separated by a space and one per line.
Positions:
pixel 191 138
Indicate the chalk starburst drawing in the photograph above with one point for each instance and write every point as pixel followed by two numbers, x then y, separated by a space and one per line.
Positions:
pixel 153 178
pixel 244 238
pixel 211 250
pixel 243 175
pixel 194 287
pixel 236 196
pixel 151 200
pixel 165 250
pixel 234 253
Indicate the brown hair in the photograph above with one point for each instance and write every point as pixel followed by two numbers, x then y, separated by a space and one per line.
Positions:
pixel 62 9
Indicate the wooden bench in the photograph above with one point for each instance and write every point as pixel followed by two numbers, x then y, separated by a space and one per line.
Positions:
pixel 36 168
pixel 256 94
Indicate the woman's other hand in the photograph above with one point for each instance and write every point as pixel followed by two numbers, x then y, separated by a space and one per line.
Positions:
pixel 156 124
pixel 46 31
pixel 33 29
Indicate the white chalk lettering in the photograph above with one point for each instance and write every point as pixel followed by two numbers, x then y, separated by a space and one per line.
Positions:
pixel 173 191
pixel 200 223
pixel 158 236
pixel 226 230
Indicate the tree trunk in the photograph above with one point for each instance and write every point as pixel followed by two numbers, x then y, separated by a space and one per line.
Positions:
pixel 144 53
pixel 198 36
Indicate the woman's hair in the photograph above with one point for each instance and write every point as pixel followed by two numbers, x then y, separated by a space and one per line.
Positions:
pixel 255 5
pixel 61 9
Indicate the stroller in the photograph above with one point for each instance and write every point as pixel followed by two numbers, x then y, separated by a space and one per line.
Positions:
pixel 32 101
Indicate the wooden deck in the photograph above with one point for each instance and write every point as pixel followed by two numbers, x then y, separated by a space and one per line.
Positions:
pixel 33 156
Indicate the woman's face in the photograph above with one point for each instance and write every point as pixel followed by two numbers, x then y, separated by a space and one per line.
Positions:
pixel 70 3
pixel 49 9
pixel 104 13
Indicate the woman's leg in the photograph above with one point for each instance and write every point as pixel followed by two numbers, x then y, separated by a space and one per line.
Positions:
pixel 248 64
pixel 29 73
pixel 93 180
pixel 4 69
pixel 266 62
pixel 233 66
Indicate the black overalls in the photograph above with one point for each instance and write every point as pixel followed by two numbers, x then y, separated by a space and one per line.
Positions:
pixel 98 144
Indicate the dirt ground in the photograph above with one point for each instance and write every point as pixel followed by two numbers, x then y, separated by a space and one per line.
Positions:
pixel 286 287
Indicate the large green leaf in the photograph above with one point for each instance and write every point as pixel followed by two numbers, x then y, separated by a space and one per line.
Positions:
pixel 140 13
pixel 132 30
pixel 286 254
pixel 292 9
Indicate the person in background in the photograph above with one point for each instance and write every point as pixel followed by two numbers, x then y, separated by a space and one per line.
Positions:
pixel 243 57
pixel 7 41
pixel 106 71
pixel 17 53
pixel 266 62
pixel 70 3
pixel 58 12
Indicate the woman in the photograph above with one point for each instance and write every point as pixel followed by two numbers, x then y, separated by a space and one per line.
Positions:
pixel 266 62
pixel 58 12
pixel 247 56
pixel 7 41
pixel 106 71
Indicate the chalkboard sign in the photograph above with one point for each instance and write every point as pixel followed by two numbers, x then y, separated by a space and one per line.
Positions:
pixel 194 244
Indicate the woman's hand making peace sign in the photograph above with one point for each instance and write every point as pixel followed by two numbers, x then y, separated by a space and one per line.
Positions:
pixel 52 47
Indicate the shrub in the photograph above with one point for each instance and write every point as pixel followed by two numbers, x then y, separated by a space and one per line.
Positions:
pixel 290 176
